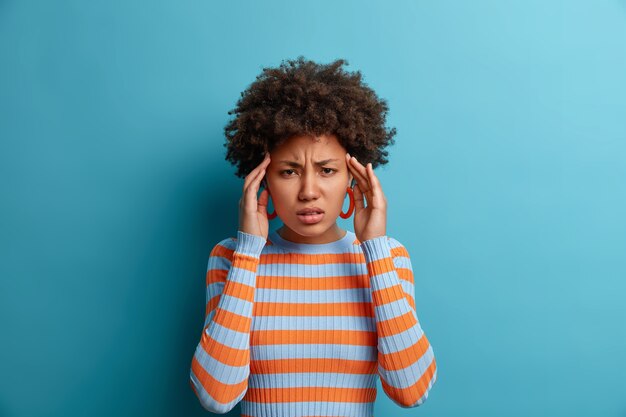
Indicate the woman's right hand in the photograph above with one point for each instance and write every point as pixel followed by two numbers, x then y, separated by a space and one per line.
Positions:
pixel 253 212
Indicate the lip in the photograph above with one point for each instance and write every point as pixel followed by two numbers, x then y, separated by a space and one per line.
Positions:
pixel 308 210
pixel 311 218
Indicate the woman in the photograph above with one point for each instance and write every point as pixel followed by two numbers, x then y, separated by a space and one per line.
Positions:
pixel 301 321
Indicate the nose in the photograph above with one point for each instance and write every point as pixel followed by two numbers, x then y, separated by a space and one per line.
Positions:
pixel 309 189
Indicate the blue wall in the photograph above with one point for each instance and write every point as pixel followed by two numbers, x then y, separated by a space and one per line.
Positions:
pixel 506 184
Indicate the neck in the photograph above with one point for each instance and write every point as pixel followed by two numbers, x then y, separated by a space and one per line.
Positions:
pixel 333 234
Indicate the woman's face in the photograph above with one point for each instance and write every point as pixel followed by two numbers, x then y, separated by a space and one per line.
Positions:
pixel 306 172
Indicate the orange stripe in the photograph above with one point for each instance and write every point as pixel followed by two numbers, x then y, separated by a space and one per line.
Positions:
pixel 312 258
pixel 239 290
pixel 332 394
pixel 295 365
pixel 210 306
pixel 222 393
pixel 381 266
pixel 238 259
pixel 411 301
pixel 388 295
pixel 396 325
pixel 332 282
pixel 223 353
pixel 405 274
pixel 365 309
pixel 287 282
pixel 223 251
pixel 411 394
pixel 293 337
pixel 216 275
pixel 248 263
pixel 399 251
pixel 232 321
pixel 395 361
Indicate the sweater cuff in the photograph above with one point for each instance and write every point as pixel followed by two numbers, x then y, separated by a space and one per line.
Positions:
pixel 249 244
pixel 376 248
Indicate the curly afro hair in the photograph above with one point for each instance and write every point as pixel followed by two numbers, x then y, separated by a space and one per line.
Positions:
pixel 302 97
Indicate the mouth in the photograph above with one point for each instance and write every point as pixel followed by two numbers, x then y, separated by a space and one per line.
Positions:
pixel 308 211
pixel 310 215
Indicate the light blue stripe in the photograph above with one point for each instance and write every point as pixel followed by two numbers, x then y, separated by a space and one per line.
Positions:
pixel 227 337
pixel 214 289
pixel 406 377
pixel 400 341
pixel 329 351
pixel 208 402
pixel 313 379
pixel 208 318
pixel 407 287
pixel 423 398
pixel 313 323
pixel 236 305
pixel 325 270
pixel 402 262
pixel 301 296
pixel 242 276
pixel 393 309
pixel 224 373
pixel 302 409
pixel 278 250
pixel 384 280
pixel 341 245
pixel 218 263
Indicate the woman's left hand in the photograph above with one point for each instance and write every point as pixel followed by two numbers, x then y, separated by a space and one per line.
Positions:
pixel 370 221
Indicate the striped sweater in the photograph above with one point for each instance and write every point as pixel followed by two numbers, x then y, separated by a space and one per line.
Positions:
pixel 294 329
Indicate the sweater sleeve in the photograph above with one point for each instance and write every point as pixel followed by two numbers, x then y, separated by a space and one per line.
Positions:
pixel 221 363
pixel 406 363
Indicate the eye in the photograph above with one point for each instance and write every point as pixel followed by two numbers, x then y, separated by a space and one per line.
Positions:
pixel 286 170
pixel 331 170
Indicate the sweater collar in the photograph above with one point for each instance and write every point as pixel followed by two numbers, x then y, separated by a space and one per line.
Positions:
pixel 330 247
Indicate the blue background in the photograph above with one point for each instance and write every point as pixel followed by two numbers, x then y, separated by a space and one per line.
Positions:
pixel 506 184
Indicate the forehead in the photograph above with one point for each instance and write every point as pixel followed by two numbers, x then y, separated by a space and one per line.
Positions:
pixel 306 145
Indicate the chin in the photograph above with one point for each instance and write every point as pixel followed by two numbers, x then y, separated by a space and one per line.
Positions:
pixel 310 229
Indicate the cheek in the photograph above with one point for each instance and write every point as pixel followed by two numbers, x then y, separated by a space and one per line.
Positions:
pixel 281 193
pixel 341 194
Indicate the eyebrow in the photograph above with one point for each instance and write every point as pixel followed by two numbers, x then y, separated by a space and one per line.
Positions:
pixel 318 163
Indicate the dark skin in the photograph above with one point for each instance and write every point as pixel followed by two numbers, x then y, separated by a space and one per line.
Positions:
pixel 369 221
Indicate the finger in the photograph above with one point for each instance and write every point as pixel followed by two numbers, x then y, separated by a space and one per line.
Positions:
pixel 359 173
pixel 357 165
pixel 255 184
pixel 253 174
pixel 377 191
pixel 359 203
pixel 263 200
pixel 351 169
pixel 252 179
pixel 372 179
pixel 358 178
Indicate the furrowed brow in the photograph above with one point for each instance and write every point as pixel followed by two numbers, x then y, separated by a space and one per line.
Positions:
pixel 318 163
